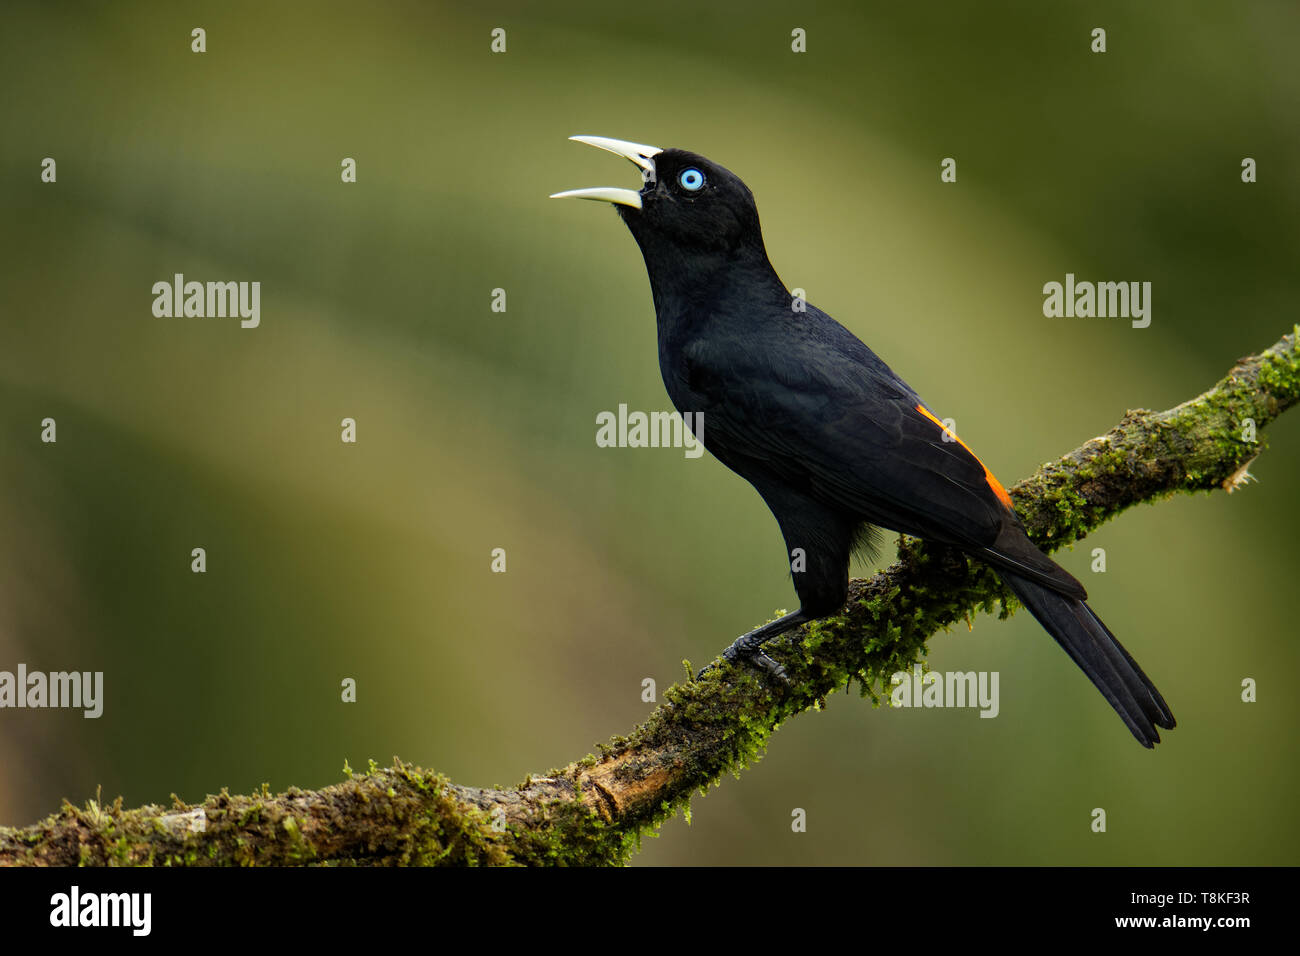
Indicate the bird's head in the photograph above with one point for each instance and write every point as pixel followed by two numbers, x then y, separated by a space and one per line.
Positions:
pixel 688 206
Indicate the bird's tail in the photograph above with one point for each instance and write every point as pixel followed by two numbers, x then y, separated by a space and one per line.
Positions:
pixel 1093 647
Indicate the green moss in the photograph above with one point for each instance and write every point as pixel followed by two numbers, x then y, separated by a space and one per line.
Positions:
pixel 1280 373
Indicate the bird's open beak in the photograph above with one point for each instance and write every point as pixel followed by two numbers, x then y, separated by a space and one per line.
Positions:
pixel 639 153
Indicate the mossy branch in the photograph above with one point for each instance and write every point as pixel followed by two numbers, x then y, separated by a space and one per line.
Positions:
pixel 594 810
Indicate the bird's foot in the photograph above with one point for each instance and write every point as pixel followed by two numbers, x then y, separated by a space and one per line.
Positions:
pixel 758 658
pixel 749 647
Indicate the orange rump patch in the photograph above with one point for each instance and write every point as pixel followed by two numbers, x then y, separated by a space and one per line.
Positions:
pixel 992 482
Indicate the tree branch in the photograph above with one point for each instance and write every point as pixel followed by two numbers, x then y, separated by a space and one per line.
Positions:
pixel 594 810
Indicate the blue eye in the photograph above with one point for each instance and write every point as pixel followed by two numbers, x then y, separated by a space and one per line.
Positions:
pixel 691 179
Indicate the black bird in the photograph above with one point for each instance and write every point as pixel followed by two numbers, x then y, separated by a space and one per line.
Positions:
pixel 832 439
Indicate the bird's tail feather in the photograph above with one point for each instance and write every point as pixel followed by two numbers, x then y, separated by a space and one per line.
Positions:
pixel 1093 647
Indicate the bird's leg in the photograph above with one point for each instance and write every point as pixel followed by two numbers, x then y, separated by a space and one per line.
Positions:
pixel 750 646
pixel 747 645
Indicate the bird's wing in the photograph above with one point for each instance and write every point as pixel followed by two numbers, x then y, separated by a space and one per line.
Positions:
pixel 820 413
pixel 832 419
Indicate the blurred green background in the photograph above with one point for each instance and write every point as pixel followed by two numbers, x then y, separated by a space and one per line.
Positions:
pixel 476 429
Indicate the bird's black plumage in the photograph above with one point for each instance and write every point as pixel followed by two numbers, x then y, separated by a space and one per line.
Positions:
pixel 828 435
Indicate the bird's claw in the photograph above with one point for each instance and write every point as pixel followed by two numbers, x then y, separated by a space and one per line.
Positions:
pixel 756 657
pixel 775 668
